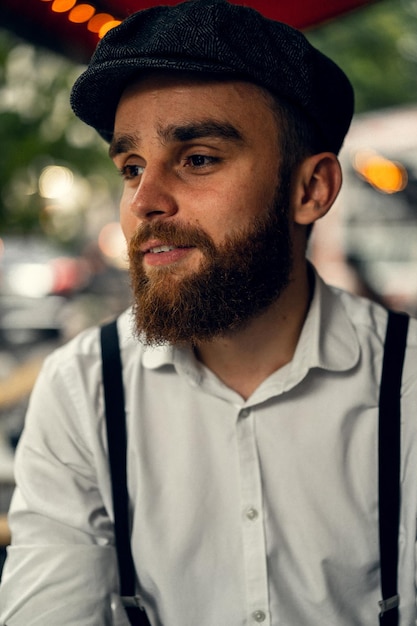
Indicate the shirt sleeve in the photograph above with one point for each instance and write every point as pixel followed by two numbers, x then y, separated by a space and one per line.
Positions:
pixel 61 567
pixel 65 585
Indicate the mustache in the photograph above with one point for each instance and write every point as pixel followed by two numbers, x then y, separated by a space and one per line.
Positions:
pixel 170 233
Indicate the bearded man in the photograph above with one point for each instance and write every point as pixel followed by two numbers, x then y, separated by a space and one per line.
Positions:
pixel 251 388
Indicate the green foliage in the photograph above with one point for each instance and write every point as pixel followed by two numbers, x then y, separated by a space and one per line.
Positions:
pixel 374 45
pixel 38 129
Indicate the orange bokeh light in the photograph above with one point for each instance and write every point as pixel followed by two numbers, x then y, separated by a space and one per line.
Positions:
pixel 108 26
pixel 62 6
pixel 98 21
pixel 81 13
pixel 383 174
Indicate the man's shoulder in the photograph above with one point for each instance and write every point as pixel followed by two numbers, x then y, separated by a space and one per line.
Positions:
pixel 370 318
pixel 368 314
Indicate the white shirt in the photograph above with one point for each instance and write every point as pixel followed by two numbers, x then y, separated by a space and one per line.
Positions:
pixel 244 513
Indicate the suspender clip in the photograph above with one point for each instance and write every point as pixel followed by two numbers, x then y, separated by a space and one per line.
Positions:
pixel 132 602
pixel 389 603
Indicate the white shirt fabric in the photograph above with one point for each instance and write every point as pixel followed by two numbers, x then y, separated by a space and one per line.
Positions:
pixel 262 511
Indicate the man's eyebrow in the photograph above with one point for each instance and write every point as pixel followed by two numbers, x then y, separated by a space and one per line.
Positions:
pixel 199 130
pixel 122 144
pixel 180 133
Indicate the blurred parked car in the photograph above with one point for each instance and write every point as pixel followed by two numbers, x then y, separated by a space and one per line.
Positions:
pixel 368 242
pixel 46 296
pixel 36 280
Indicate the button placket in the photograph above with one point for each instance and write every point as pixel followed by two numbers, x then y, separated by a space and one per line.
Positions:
pixel 252 514
pixel 259 616
pixel 253 532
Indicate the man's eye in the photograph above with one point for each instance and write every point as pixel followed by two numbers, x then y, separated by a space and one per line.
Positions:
pixel 200 160
pixel 129 172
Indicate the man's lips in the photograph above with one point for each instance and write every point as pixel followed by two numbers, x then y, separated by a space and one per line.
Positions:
pixel 162 248
pixel 159 253
pixel 157 246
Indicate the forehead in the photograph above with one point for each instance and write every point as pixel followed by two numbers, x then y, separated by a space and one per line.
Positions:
pixel 171 97
pixel 161 79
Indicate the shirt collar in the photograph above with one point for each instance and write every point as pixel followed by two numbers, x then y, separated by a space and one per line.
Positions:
pixel 182 358
pixel 328 341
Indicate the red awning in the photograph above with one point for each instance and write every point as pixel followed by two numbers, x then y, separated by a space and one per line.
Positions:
pixel 39 21
pixel 298 13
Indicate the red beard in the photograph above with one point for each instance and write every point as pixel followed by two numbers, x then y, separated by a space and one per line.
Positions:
pixel 236 280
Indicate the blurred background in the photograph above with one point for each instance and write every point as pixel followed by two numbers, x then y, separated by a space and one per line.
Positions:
pixel 62 255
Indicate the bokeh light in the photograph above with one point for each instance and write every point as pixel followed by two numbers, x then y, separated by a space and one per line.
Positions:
pixel 112 244
pixel 98 21
pixel 55 181
pixel 84 13
pixel 382 173
pixel 81 13
pixel 62 6
pixel 108 26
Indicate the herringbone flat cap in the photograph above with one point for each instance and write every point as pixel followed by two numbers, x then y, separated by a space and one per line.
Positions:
pixel 215 37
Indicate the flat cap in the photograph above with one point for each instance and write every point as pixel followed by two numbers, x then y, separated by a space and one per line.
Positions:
pixel 215 37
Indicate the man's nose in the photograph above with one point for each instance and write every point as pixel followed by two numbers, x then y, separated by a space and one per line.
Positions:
pixel 154 196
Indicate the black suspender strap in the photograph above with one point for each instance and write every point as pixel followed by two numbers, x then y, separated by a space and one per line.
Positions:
pixel 390 464
pixel 117 450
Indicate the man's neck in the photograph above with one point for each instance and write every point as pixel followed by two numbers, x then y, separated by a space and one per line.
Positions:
pixel 244 359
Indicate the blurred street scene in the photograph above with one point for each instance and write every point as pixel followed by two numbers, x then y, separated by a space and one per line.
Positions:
pixel 62 253
pixel 368 242
pixel 46 297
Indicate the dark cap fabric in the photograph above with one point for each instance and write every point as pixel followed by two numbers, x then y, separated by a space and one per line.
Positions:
pixel 215 37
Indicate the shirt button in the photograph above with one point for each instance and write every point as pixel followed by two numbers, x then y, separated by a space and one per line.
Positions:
pixel 244 413
pixel 252 514
pixel 259 616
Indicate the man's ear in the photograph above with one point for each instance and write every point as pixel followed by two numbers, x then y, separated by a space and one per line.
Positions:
pixel 316 185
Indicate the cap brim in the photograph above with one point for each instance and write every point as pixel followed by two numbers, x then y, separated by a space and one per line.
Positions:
pixel 97 92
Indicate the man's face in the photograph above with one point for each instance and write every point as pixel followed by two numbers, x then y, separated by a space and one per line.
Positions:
pixel 202 210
